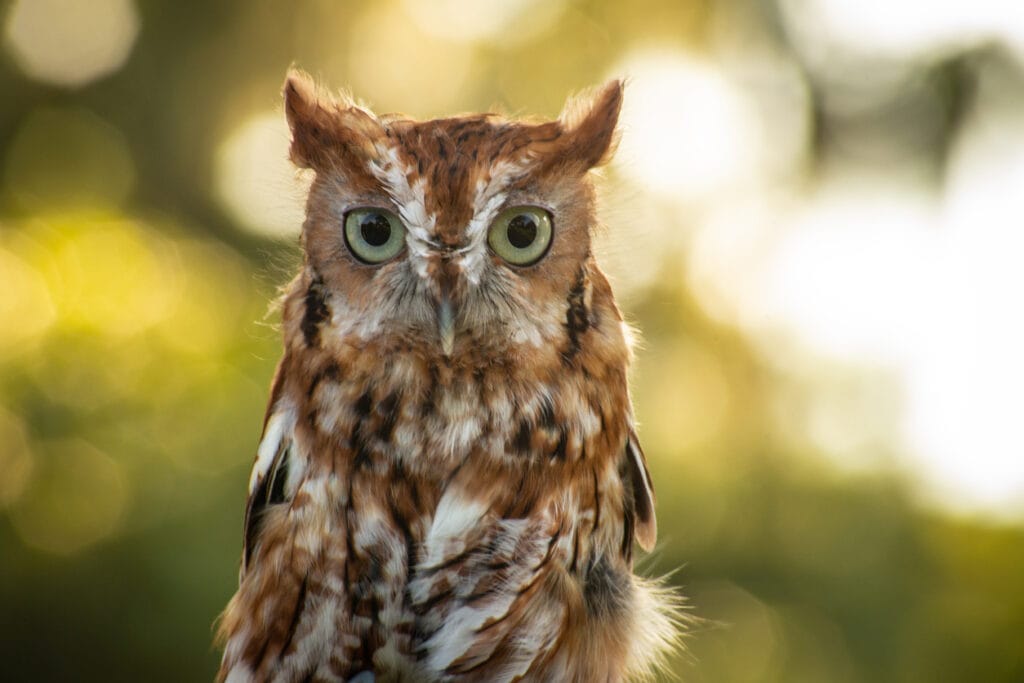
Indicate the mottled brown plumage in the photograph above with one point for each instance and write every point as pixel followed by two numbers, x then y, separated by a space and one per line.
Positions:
pixel 449 482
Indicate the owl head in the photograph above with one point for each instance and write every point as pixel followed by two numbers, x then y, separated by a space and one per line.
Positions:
pixel 452 235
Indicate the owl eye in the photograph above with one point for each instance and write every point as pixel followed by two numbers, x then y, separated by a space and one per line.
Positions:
pixel 521 235
pixel 374 235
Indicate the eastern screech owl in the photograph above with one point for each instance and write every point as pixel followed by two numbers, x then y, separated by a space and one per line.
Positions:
pixel 449 482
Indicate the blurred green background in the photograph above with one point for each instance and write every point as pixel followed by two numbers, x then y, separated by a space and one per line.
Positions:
pixel 814 220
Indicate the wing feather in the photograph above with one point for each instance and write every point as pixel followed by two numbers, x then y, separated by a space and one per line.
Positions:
pixel 646 529
pixel 269 475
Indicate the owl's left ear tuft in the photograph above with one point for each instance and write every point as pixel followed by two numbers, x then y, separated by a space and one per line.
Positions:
pixel 589 121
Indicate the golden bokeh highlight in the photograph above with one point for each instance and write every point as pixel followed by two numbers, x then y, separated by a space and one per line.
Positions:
pixel 211 302
pixel 110 276
pixel 76 498
pixel 69 42
pixel 26 310
pixel 692 381
pixel 689 132
pixel 423 75
pixel 501 22
pixel 256 182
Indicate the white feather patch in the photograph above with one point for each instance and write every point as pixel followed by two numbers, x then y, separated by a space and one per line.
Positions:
pixel 459 630
pixel 239 673
pixel 460 627
pixel 455 517
pixel 279 425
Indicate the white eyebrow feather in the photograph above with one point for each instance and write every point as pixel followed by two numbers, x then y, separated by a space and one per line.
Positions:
pixel 410 201
pixel 488 200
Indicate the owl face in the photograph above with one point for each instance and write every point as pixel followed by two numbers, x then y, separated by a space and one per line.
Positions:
pixel 453 234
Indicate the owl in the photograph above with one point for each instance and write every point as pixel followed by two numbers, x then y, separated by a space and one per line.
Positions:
pixel 449 483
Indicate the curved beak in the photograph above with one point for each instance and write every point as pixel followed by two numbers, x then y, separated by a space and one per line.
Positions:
pixel 446 323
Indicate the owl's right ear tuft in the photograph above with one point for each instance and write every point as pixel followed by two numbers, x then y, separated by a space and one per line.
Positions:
pixel 324 129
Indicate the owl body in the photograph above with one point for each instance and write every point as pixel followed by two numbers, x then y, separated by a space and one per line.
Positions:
pixel 449 482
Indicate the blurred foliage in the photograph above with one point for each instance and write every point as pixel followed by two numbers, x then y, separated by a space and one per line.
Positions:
pixel 136 351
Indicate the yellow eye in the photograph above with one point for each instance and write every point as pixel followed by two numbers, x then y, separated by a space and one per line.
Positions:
pixel 521 235
pixel 374 235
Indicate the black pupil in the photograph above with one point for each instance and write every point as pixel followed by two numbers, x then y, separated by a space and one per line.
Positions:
pixel 522 231
pixel 375 229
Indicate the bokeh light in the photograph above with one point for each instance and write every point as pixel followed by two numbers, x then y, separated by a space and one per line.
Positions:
pixel 69 42
pixel 109 276
pixel 77 498
pixel 696 128
pixel 689 132
pixel 26 309
pixel 422 75
pixel 256 181
pixel 693 382
pixel 502 22
pixel 212 300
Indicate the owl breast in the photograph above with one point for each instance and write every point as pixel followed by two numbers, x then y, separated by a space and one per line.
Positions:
pixel 445 519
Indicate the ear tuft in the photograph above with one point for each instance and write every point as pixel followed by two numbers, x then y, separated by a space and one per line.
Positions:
pixel 308 119
pixel 323 128
pixel 590 121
